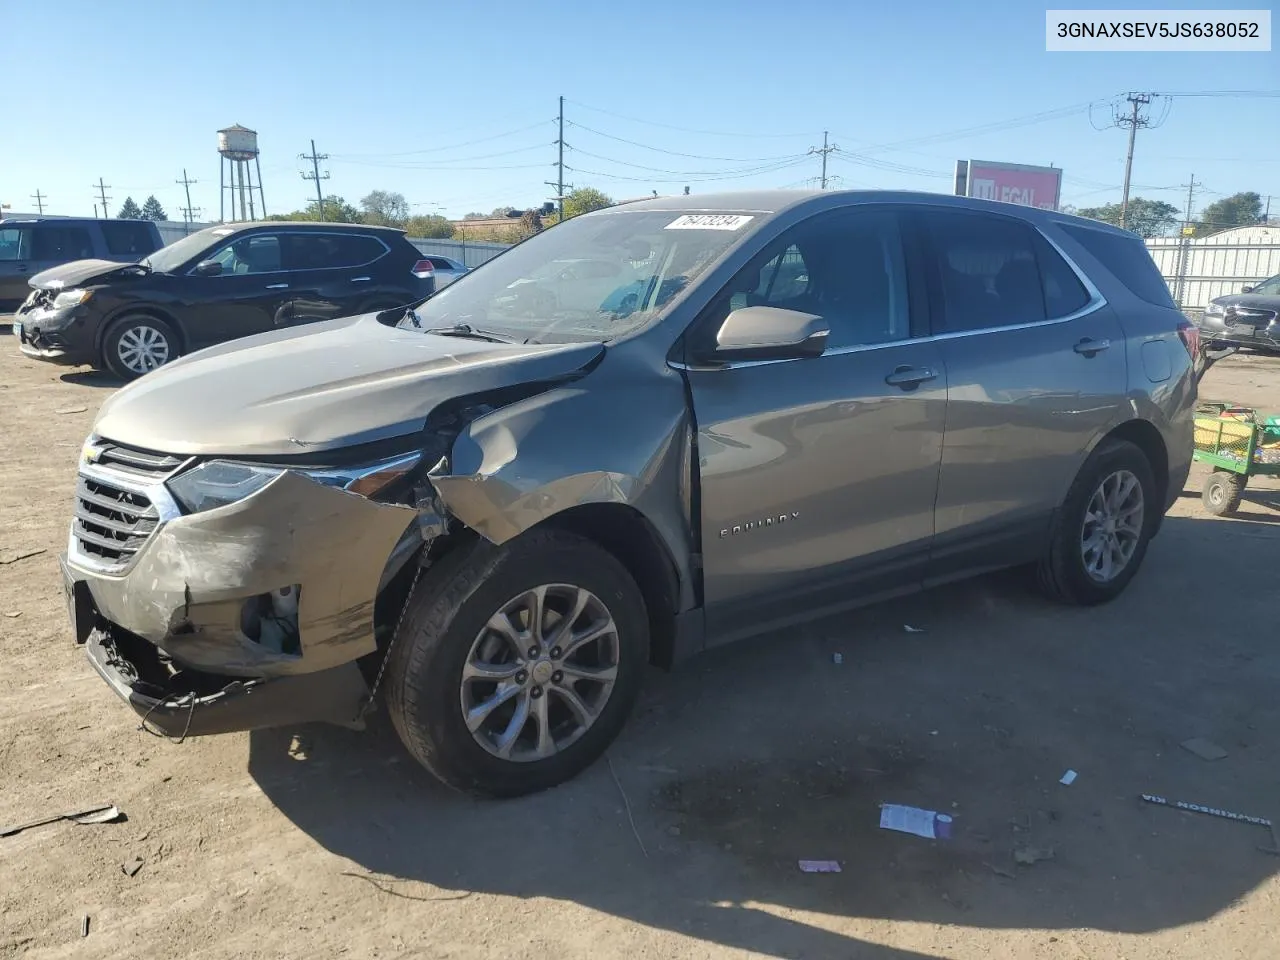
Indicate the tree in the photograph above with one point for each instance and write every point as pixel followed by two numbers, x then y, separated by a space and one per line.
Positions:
pixel 129 210
pixel 530 223
pixel 336 210
pixel 1147 218
pixel 500 212
pixel 430 227
pixel 386 209
pixel 1237 210
pixel 475 215
pixel 584 200
pixel 151 210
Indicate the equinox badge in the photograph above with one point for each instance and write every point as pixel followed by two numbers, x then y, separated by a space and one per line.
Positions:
pixel 753 525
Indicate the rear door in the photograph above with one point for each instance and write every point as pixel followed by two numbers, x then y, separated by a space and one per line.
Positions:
pixel 53 244
pixel 818 476
pixel 128 240
pixel 15 264
pixel 1036 371
pixel 332 274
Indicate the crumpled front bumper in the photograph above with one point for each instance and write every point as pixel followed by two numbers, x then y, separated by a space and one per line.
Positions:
pixel 169 629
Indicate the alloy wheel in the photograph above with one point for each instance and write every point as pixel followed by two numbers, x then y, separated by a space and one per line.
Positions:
pixel 1112 526
pixel 540 672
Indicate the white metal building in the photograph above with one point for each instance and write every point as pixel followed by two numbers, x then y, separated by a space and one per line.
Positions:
pixel 1206 267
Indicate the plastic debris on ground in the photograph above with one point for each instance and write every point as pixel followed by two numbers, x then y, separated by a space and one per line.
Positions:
pixel 1203 748
pixel 1029 855
pixel 1068 778
pixel 132 867
pixel 105 813
pixel 916 821
pixel 1211 811
pixel 819 866
pixel 837 658
pixel 908 628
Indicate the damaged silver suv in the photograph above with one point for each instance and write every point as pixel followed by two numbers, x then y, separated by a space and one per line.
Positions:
pixel 645 432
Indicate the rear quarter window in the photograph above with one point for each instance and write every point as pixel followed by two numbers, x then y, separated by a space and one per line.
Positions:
pixel 128 238
pixel 1128 259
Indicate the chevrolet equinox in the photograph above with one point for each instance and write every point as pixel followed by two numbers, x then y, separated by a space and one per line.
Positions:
pixel 496 507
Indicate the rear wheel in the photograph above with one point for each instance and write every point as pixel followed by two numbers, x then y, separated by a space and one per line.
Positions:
pixel 1100 533
pixel 1222 492
pixel 516 666
pixel 138 344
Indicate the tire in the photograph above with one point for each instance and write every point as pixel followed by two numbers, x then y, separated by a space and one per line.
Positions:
pixel 447 627
pixel 1064 573
pixel 1222 492
pixel 150 339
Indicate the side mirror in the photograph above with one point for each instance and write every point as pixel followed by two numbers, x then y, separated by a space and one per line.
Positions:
pixel 208 268
pixel 1247 289
pixel 769 333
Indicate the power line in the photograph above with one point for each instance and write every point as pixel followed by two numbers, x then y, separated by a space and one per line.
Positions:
pixel 823 151
pixel 452 146
pixel 315 175
pixel 102 192
pixel 683 173
pixel 39 198
pixel 673 153
pixel 436 164
pixel 709 133
pixel 728 176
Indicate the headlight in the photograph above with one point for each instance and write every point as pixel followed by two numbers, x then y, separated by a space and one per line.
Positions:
pixel 218 483
pixel 71 298
pixel 1215 310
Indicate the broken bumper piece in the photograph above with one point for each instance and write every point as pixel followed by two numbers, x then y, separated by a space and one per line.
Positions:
pixel 187 703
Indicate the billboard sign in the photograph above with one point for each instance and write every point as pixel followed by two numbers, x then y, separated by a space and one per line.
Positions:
pixel 1009 183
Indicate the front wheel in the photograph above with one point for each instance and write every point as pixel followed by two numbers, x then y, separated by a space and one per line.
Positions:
pixel 1100 533
pixel 138 344
pixel 516 666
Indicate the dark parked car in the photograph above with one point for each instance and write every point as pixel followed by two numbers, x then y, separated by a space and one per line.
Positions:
pixel 29 246
pixel 1250 318
pixel 499 512
pixel 216 285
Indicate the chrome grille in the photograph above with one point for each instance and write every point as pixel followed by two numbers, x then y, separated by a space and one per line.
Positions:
pixel 112 524
pixel 120 501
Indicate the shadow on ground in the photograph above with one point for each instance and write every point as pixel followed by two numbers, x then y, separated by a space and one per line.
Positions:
pixel 749 759
pixel 92 378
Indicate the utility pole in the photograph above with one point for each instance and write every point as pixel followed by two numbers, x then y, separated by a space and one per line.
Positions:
pixel 315 175
pixel 1184 248
pixel 560 164
pixel 102 192
pixel 1133 121
pixel 40 198
pixel 188 212
pixel 1266 217
pixel 823 151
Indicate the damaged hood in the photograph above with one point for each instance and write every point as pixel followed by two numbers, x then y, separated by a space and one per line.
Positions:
pixel 319 387
pixel 75 273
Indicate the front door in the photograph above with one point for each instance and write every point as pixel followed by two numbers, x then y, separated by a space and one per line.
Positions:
pixel 818 476
pixel 1036 372
pixel 253 288
pixel 15 265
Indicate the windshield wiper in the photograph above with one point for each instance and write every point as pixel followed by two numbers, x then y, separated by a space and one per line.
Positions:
pixel 471 333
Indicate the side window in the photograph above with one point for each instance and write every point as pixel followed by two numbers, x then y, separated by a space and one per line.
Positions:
pixel 1128 258
pixel 440 263
pixel 326 251
pixel 15 243
pixel 60 243
pixel 259 253
pixel 1064 294
pixel 127 238
pixel 987 269
pixel 847 267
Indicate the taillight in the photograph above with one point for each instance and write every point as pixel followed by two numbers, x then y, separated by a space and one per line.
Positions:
pixel 1189 334
pixel 423 270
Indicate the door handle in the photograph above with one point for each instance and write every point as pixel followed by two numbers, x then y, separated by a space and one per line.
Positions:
pixel 1088 347
pixel 277 286
pixel 22 268
pixel 360 279
pixel 908 378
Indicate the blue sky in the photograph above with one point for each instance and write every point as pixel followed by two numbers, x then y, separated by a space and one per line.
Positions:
pixel 453 104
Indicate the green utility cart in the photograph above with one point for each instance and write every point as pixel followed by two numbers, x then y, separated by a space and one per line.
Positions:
pixel 1238 444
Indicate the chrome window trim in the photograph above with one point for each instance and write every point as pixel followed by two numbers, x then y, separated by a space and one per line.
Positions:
pixel 305 233
pixel 1096 302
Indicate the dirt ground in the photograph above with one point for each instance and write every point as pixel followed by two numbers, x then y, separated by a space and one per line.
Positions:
pixel 319 842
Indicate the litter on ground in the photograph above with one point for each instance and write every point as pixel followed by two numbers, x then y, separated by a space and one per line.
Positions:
pixel 1068 778
pixel 1204 749
pixel 820 866
pixel 916 821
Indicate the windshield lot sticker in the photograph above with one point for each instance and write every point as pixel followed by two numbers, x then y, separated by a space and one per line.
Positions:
pixel 709 221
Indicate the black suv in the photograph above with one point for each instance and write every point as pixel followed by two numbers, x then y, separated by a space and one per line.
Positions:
pixel 1250 318
pixel 30 245
pixel 219 284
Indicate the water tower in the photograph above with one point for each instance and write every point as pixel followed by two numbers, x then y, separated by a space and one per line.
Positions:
pixel 238 145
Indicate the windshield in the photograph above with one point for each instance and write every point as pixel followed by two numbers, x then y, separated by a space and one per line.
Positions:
pixel 176 254
pixel 1269 287
pixel 591 278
